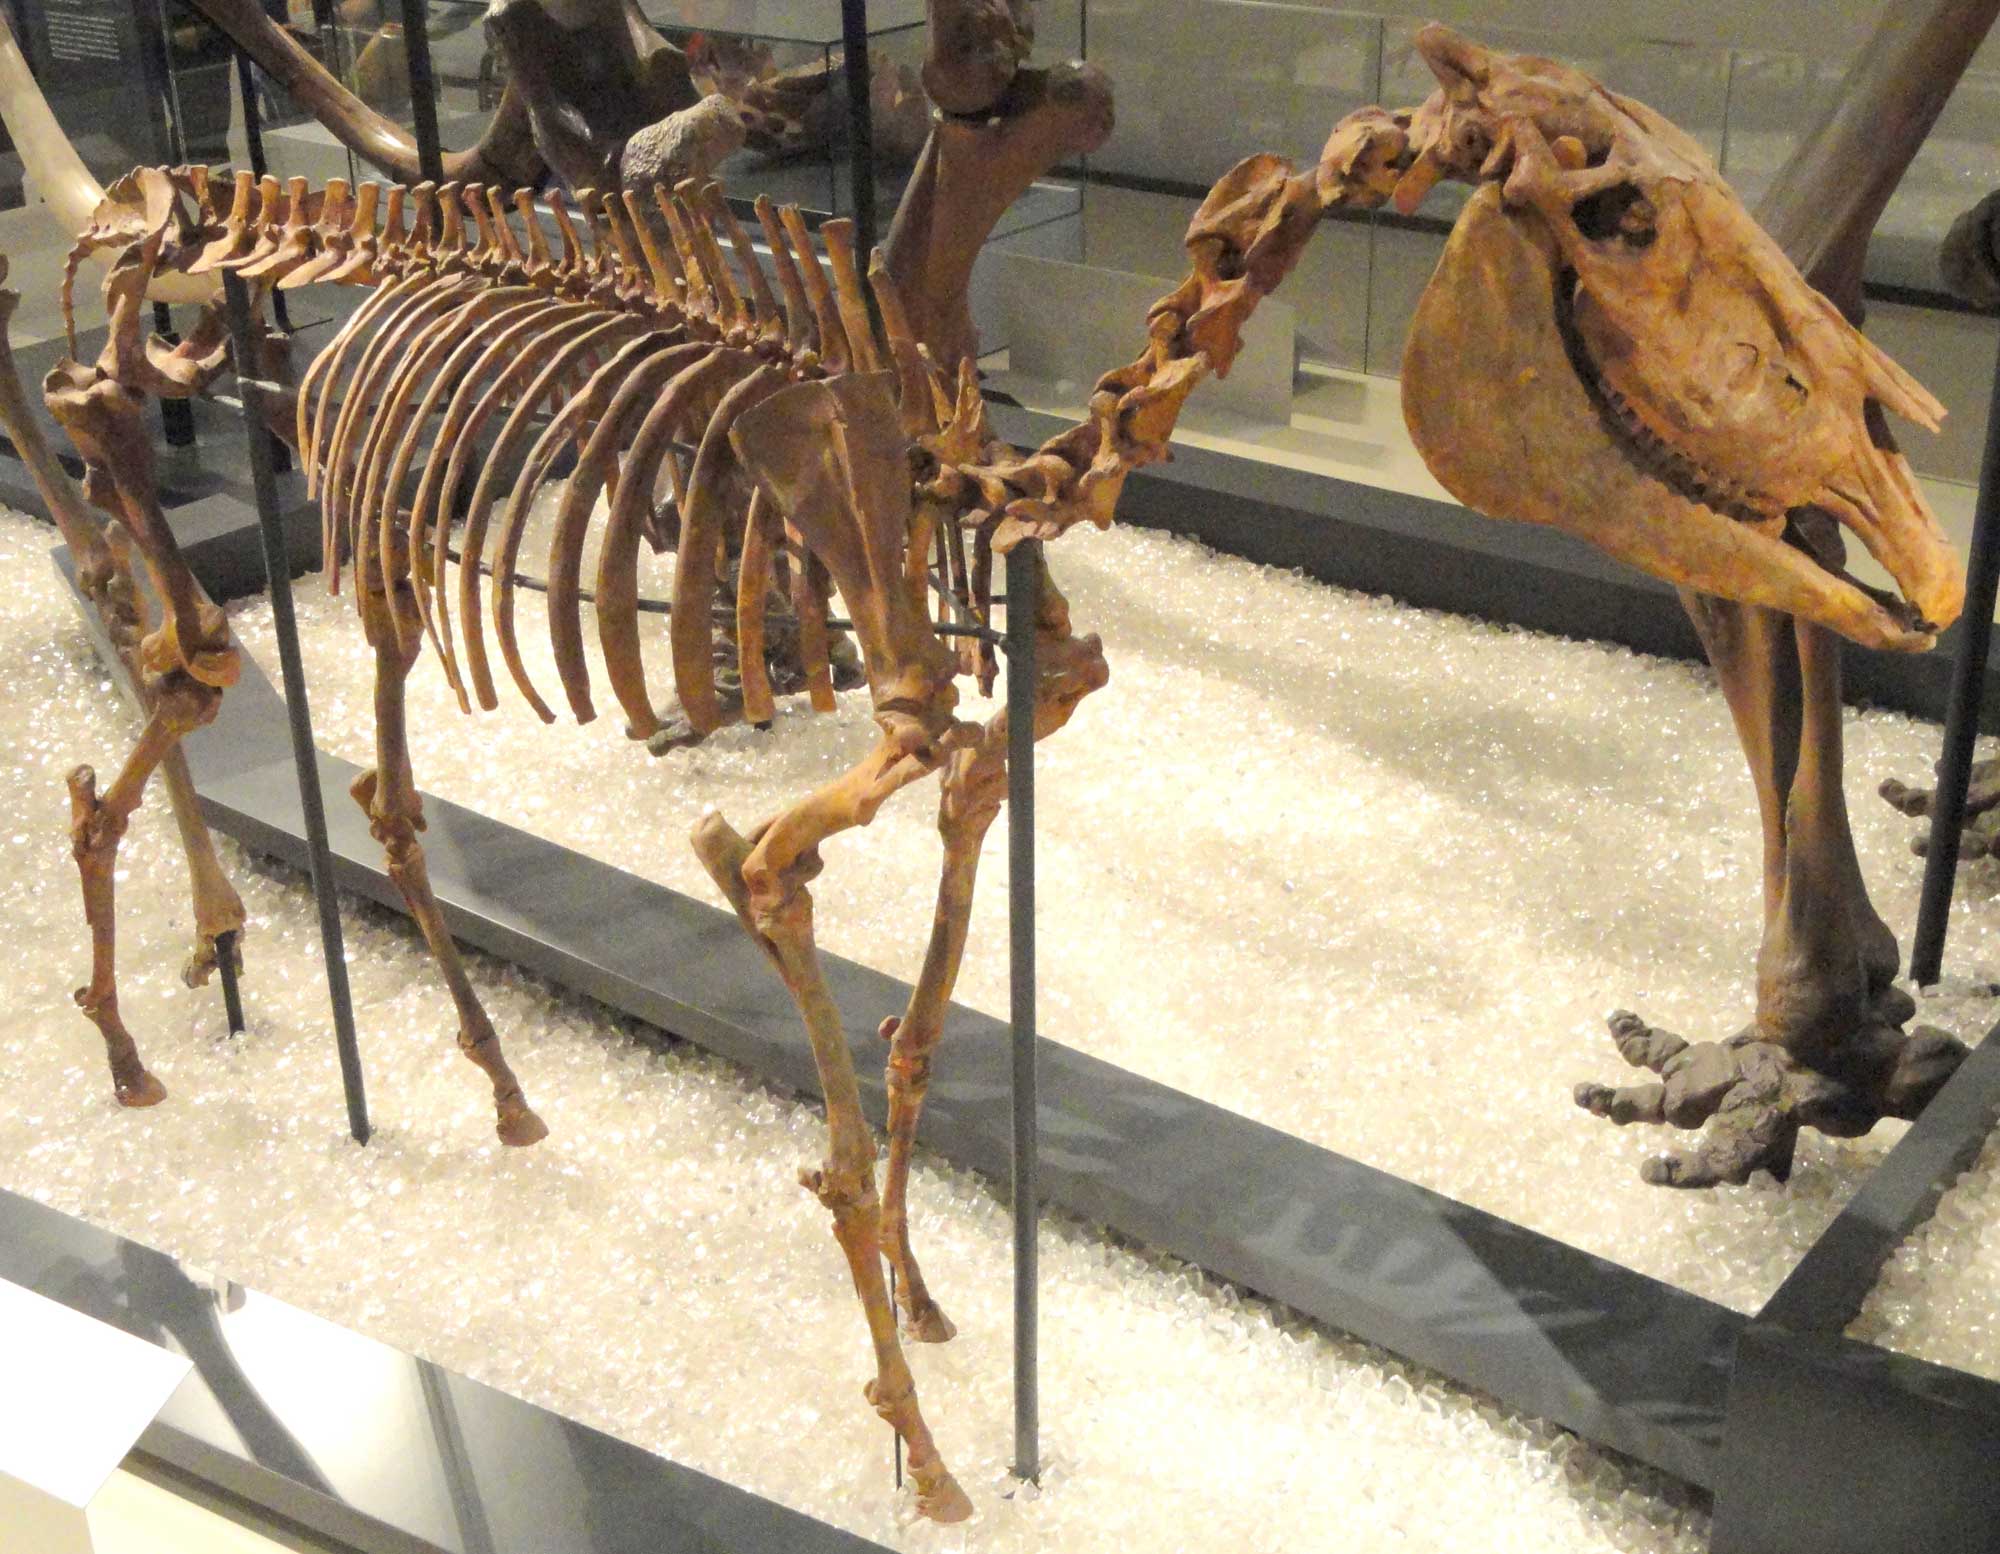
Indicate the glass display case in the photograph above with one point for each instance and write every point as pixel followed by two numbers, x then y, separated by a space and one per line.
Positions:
pixel 1339 885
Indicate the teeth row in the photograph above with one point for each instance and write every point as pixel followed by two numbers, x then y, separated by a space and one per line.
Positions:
pixel 1724 495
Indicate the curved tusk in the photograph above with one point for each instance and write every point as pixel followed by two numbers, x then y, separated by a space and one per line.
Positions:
pixel 59 175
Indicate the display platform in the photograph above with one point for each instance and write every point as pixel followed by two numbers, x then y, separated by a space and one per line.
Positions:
pixel 1126 565
pixel 653 1268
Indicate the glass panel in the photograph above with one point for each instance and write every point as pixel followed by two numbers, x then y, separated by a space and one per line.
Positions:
pixel 1774 100
pixel 1958 166
pixel 1200 83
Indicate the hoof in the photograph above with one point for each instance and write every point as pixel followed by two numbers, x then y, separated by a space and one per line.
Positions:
pixel 520 1128
pixel 944 1501
pixel 929 1326
pixel 143 1091
pixel 206 958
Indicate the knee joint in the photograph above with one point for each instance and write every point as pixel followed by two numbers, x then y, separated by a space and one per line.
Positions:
pixel 843 1191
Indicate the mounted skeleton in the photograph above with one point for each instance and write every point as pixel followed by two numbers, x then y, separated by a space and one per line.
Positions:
pixel 818 440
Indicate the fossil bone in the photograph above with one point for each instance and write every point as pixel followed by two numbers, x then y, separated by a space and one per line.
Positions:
pixel 1678 394
pixel 836 460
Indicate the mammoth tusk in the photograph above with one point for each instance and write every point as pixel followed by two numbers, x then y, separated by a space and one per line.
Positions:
pixel 505 153
pixel 59 175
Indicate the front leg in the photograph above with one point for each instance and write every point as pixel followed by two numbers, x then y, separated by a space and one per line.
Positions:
pixel 973 788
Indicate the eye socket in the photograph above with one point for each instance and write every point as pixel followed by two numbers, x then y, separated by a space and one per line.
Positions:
pixel 1620 212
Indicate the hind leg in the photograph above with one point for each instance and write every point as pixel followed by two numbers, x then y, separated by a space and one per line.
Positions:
pixel 97 825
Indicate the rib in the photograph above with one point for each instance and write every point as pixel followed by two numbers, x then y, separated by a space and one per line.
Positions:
pixel 457 439
pixel 452 293
pixel 618 555
pixel 567 426
pixel 753 583
pixel 688 627
pixel 457 347
pixel 512 432
pixel 573 515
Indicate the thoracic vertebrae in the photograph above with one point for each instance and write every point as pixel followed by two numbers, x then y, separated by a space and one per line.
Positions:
pixel 486 354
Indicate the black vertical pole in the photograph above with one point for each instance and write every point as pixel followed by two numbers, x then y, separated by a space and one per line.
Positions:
pixel 305 759
pixel 176 415
pixel 1023 598
pixel 1961 724
pixel 253 139
pixel 860 124
pixel 232 995
pixel 423 88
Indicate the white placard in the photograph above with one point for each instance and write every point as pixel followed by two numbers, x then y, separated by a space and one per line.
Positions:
pixel 75 1395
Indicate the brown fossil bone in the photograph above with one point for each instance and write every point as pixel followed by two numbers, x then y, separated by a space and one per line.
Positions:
pixel 641 356
pixel 174 701
pixel 1678 394
pixel 1756 402
pixel 594 95
pixel 1000 125
pixel 803 110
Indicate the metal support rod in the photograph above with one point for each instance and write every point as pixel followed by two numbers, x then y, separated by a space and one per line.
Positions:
pixel 253 140
pixel 232 994
pixel 1961 724
pixel 170 140
pixel 423 88
pixel 860 123
pixel 176 415
pixel 305 759
pixel 1023 599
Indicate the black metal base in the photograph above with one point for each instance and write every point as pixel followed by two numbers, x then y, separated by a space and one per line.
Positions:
pixel 1621 1358
pixel 1837 1447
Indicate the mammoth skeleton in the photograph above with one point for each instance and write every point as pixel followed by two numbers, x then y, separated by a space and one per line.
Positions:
pixel 1569 365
